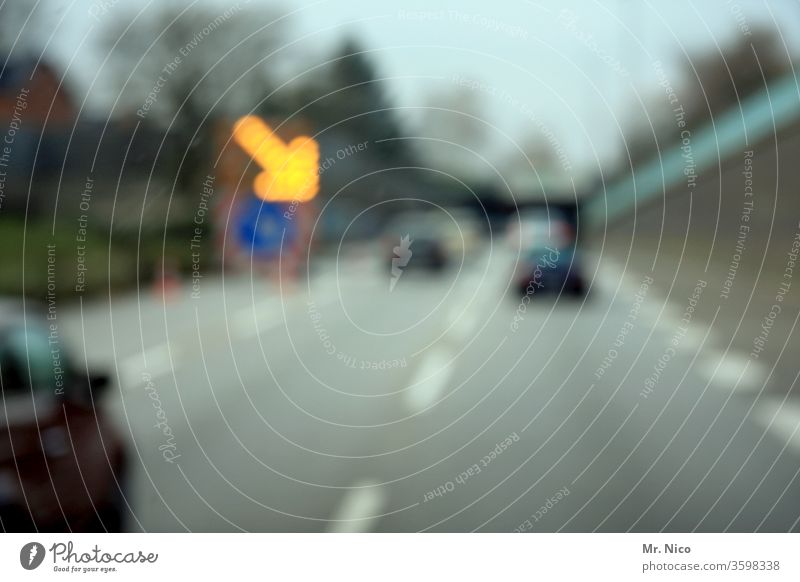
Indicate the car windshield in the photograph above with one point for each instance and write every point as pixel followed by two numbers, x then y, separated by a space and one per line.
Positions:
pixel 27 360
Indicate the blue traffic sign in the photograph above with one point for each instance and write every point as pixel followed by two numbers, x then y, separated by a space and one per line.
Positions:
pixel 261 226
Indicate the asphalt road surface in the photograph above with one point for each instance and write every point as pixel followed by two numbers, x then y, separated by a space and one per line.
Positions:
pixel 443 405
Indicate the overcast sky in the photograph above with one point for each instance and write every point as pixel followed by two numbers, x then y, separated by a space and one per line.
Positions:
pixel 540 67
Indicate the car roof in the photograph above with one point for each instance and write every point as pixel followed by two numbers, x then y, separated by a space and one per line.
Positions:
pixel 13 313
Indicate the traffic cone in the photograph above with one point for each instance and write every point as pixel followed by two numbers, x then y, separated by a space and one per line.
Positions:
pixel 166 281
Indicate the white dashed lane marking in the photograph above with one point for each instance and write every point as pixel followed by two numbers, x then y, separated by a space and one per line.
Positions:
pixel 360 508
pixel 782 419
pixel 733 371
pixel 155 361
pixel 431 379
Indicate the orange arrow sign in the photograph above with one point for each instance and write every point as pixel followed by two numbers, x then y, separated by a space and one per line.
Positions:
pixel 290 171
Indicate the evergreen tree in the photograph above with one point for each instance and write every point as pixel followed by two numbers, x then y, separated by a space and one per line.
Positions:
pixel 358 102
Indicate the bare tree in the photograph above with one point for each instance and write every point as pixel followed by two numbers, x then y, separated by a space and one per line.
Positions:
pixel 713 81
pixel 718 80
pixel 183 69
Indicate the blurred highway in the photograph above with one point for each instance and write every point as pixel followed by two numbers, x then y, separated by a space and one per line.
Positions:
pixel 337 405
pixel 396 388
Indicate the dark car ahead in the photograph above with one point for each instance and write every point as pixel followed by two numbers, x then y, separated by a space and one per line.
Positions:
pixel 550 262
pixel 417 241
pixel 61 462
